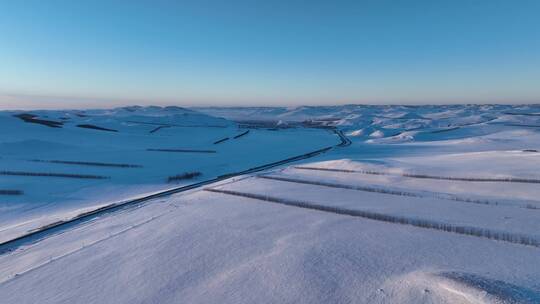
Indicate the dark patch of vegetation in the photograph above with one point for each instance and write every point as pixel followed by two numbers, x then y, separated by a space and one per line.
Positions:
pixel 182 150
pixel 525 114
pixel 445 130
pixel 10 192
pixel 466 179
pixel 394 134
pixel 148 123
pixel 473 179
pixel 83 163
pixel 444 196
pixel 175 125
pixel 266 124
pixel 422 223
pixel 221 140
pixel 342 186
pixel 158 128
pixel 329 169
pixel 241 134
pixel 520 125
pixel 47 174
pixel 183 176
pixel 51 225
pixel 87 126
pixel 31 118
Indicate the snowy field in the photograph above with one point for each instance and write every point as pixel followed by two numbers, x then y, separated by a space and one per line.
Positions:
pixel 432 204
pixel 136 154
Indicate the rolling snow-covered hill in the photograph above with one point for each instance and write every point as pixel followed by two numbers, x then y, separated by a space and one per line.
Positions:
pixel 387 204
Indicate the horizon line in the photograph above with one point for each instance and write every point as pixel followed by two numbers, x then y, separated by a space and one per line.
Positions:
pixel 63 102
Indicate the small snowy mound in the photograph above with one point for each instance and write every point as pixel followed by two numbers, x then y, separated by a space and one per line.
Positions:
pixel 356 133
pixel 282 123
pixel 377 134
pixel 452 287
pixel 398 138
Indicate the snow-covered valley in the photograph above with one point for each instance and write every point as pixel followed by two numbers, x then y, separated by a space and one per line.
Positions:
pixel 63 171
pixel 397 204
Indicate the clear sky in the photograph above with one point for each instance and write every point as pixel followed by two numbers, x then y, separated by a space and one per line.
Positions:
pixel 107 53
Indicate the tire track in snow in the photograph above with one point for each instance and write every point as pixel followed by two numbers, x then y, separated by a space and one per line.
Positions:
pixel 84 246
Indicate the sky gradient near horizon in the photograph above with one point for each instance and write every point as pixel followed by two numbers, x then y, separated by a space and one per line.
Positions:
pixel 74 54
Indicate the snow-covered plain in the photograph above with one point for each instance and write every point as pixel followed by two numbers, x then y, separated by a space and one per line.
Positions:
pixel 441 206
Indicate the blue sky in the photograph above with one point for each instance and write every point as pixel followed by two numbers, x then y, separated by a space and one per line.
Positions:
pixel 107 53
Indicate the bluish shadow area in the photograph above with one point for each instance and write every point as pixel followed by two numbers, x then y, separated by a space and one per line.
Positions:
pixel 509 293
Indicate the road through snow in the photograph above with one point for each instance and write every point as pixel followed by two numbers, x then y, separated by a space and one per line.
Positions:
pixel 54 228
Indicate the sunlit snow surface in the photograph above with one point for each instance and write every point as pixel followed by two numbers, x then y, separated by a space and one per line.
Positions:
pixel 431 204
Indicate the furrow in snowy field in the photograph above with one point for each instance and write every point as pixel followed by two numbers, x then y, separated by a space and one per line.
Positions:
pixel 425 176
pixel 524 195
pixel 416 222
pixel 227 249
pixel 497 218
pixel 382 190
pixel 18 262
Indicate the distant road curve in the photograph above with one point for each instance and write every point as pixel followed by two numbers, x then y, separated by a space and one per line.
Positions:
pixel 56 227
pixel 345 141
